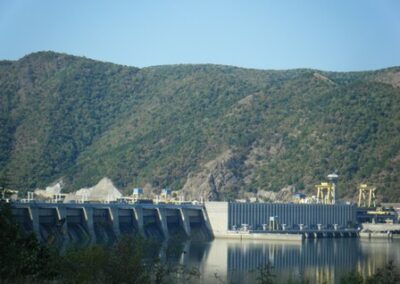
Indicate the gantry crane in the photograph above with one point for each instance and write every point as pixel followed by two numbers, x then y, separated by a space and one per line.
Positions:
pixel 325 193
pixel 365 190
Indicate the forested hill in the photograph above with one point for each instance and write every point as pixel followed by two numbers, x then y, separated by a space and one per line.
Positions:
pixel 223 129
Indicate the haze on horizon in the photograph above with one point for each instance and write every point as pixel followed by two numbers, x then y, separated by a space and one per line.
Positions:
pixel 336 35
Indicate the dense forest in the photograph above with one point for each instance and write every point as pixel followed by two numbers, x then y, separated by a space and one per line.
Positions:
pixel 78 119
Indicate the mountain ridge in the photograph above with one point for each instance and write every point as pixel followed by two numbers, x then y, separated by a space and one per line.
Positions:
pixel 80 119
pixel 55 53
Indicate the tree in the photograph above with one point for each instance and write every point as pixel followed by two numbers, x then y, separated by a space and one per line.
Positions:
pixel 22 257
pixel 353 277
pixel 388 274
pixel 265 274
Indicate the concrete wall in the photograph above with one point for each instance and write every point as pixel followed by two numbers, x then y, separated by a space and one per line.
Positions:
pixel 218 217
pixel 257 214
pixel 102 223
pixel 223 215
pixel 215 217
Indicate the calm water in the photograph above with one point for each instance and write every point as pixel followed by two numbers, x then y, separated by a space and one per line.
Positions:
pixel 316 260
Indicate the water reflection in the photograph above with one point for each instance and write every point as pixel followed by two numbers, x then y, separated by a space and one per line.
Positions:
pixel 323 260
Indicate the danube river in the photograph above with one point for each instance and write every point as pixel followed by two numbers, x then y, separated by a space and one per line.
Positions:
pixel 318 261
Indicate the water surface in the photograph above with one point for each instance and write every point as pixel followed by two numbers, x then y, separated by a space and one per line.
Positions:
pixel 321 260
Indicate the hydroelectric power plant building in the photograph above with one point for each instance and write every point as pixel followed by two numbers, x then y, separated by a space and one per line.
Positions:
pixel 104 222
pixel 280 217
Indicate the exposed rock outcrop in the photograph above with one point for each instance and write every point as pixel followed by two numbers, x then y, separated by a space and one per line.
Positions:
pixel 392 78
pixel 214 179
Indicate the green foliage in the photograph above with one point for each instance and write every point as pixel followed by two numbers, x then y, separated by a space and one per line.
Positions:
pixel 352 278
pixel 265 274
pixel 71 117
pixel 87 265
pixel 130 260
pixel 301 280
pixel 389 274
pixel 21 256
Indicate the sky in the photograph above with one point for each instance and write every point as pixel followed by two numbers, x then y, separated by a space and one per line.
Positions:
pixel 338 35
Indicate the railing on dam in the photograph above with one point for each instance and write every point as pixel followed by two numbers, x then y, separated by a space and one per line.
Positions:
pixel 105 222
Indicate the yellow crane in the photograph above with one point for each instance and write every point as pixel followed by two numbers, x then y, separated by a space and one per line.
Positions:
pixel 325 193
pixel 364 191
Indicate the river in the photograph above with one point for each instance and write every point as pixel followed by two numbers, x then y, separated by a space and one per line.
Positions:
pixel 318 261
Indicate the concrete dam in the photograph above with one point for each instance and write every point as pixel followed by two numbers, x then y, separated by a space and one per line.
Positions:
pixel 85 223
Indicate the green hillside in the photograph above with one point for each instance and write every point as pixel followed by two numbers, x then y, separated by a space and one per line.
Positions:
pixel 78 119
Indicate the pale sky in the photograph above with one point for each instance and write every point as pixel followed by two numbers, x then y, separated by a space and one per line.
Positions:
pixel 339 35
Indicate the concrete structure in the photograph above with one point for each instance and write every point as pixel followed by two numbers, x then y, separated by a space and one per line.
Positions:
pixel 104 223
pixel 253 235
pixel 333 178
pixel 292 215
pixel 380 230
pixel 281 221
pixel 218 216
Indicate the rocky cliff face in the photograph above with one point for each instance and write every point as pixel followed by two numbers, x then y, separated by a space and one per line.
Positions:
pixel 215 179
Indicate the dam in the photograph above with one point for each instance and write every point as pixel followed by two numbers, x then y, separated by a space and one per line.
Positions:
pixel 85 223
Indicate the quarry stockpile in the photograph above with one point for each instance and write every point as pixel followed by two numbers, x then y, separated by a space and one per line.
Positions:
pixel 103 191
